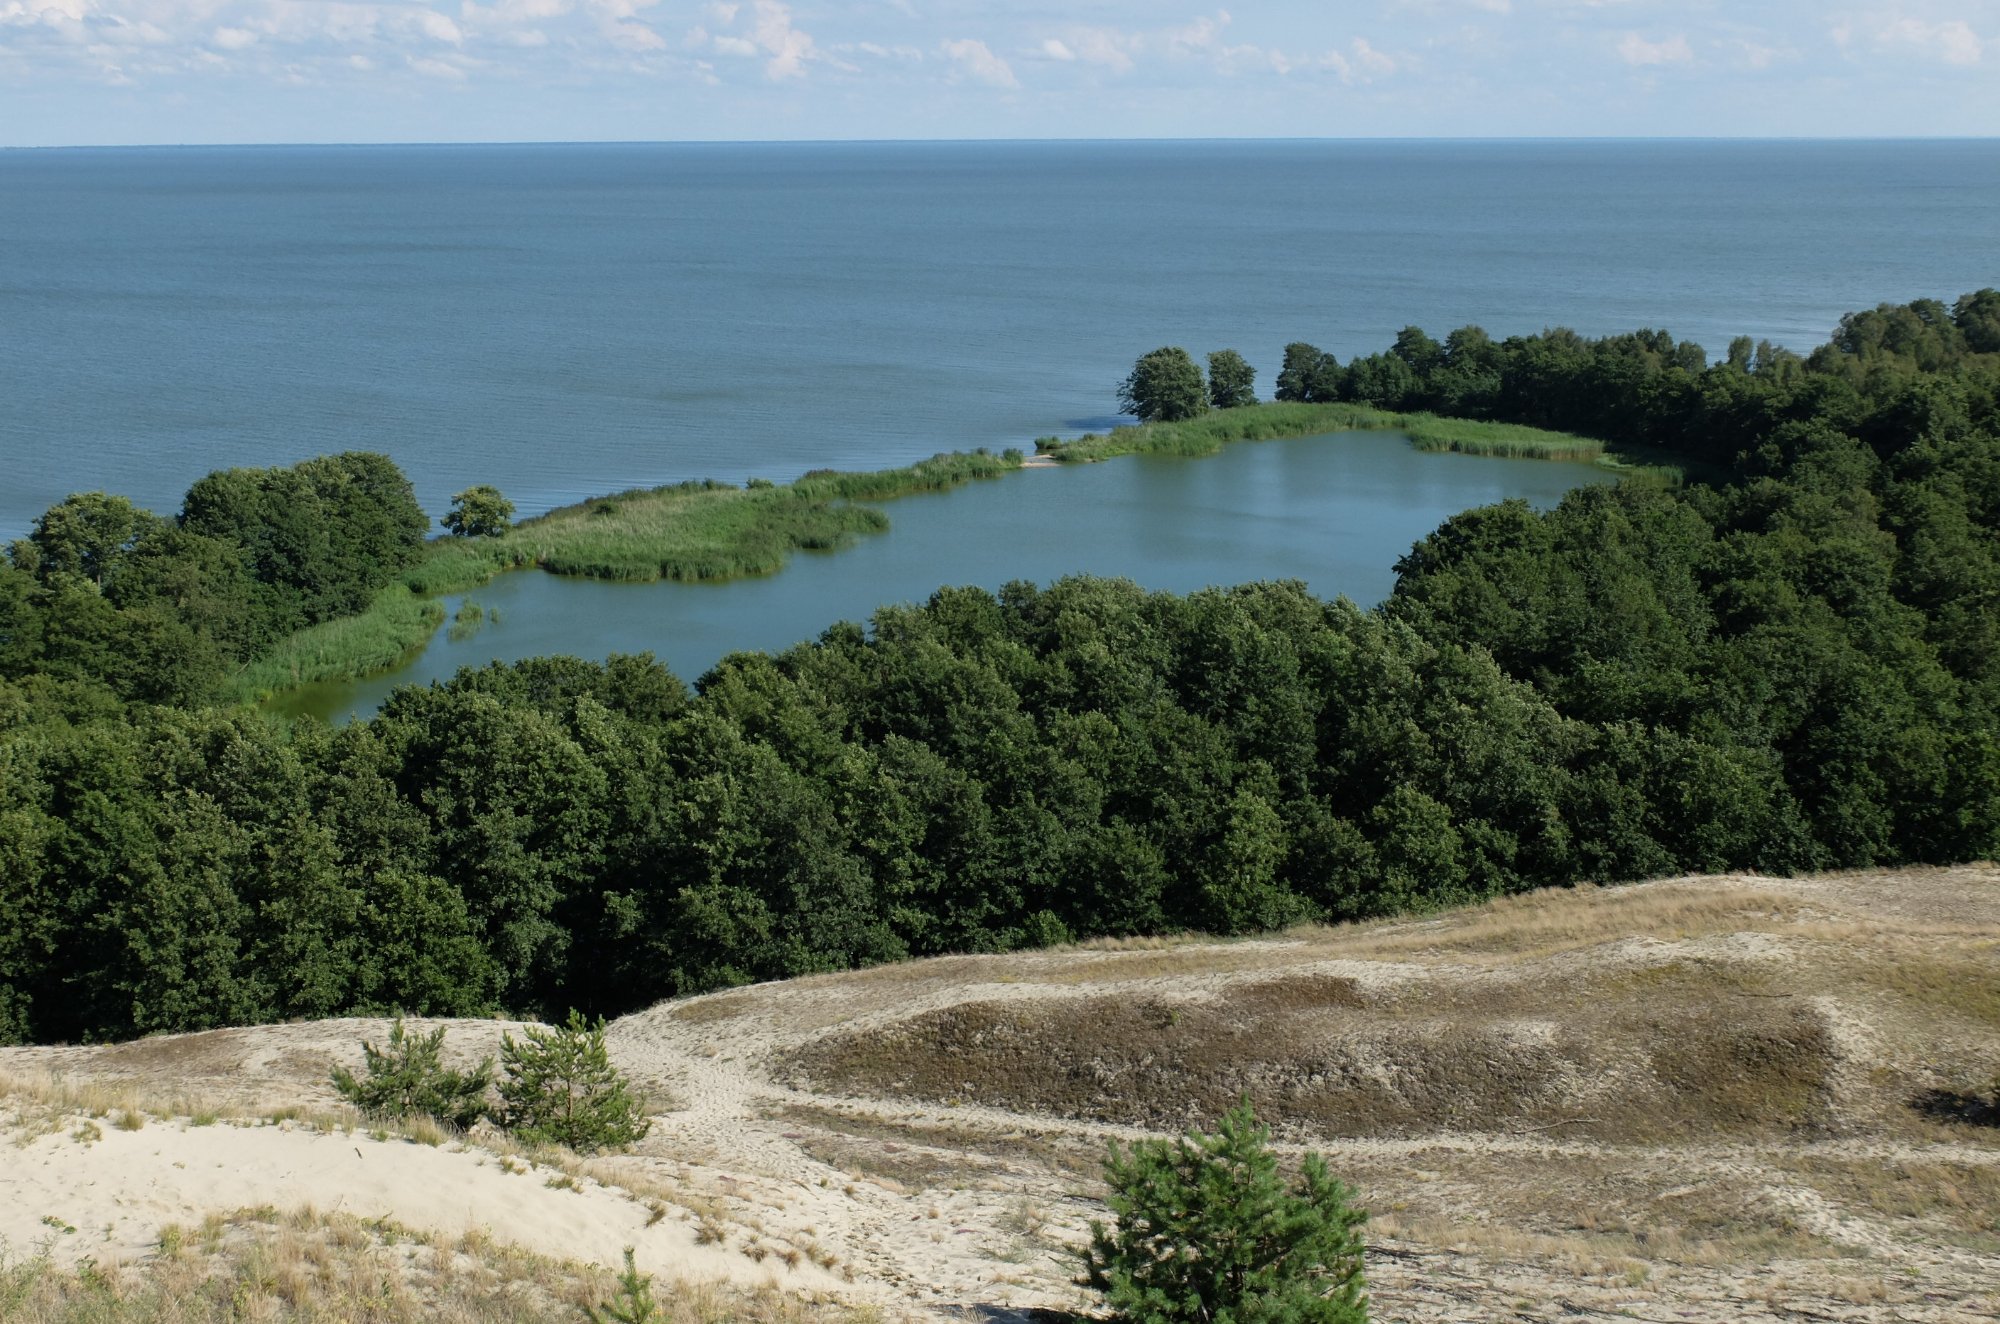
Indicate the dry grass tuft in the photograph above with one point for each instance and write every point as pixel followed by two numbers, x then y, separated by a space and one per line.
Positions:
pixel 303 1266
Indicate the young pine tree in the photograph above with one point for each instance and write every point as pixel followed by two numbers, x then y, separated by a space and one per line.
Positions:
pixel 560 1088
pixel 409 1078
pixel 1209 1233
pixel 634 1303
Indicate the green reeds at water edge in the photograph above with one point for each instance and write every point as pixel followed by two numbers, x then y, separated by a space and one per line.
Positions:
pixel 1267 422
pixel 699 531
pixel 685 531
pixel 396 624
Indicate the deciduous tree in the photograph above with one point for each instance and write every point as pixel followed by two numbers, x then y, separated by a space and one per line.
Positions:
pixel 1165 386
pixel 1230 379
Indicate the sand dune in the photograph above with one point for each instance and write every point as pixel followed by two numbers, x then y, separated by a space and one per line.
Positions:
pixel 1727 1099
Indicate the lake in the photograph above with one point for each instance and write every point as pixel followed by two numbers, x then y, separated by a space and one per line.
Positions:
pixel 1333 511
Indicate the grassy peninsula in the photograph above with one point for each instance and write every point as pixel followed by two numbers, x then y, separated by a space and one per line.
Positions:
pixel 703 530
pixel 1210 432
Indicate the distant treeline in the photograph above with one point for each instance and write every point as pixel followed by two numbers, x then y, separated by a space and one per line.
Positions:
pixel 1887 375
pixel 1795 669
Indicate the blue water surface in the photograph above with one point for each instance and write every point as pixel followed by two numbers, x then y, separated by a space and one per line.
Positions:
pixel 568 320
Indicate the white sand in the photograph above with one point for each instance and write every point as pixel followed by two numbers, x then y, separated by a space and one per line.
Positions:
pixel 118 1191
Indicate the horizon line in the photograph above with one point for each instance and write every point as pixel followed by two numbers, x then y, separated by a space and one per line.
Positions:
pixel 1001 141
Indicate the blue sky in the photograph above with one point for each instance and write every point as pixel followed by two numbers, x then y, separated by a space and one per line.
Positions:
pixel 145 71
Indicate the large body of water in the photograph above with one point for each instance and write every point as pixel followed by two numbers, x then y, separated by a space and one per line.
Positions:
pixel 569 320
pixel 564 321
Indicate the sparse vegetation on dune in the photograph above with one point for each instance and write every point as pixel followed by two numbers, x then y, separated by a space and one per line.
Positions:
pixel 307 1267
pixel 1639 1014
pixel 1709 1099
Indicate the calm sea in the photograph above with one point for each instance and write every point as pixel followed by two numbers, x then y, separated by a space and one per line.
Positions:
pixel 568 320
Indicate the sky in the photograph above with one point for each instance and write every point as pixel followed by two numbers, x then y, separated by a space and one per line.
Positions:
pixel 248 71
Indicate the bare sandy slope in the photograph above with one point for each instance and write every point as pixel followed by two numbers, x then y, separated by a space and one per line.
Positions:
pixel 1726 1099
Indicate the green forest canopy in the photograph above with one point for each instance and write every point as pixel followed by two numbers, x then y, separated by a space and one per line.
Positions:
pixel 1791 669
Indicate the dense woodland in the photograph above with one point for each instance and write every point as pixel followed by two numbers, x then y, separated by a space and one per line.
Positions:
pixel 1793 667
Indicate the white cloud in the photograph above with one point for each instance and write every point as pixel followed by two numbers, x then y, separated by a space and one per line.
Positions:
pixel 1108 48
pixel 979 61
pixel 788 47
pixel 234 39
pixel 48 12
pixel 1756 55
pixel 440 69
pixel 879 51
pixel 763 30
pixel 1105 46
pixel 630 36
pixel 517 11
pixel 1372 61
pixel 1202 34
pixel 439 28
pixel 514 23
pixel 1637 50
pixel 1953 42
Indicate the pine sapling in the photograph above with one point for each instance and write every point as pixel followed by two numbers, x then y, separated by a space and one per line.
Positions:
pixel 634 1303
pixel 409 1079
pixel 1208 1232
pixel 559 1088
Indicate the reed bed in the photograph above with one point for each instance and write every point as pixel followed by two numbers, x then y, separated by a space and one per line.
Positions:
pixel 395 625
pixel 701 530
pixel 1462 436
pixel 1267 422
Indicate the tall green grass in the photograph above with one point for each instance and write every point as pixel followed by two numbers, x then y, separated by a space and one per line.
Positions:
pixel 1212 431
pixel 698 531
pixel 940 473
pixel 396 624
pixel 1266 422
pixel 1462 436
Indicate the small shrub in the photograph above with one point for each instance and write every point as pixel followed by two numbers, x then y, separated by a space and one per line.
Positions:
pixel 634 1303
pixel 1208 1233
pixel 409 1079
pixel 561 1089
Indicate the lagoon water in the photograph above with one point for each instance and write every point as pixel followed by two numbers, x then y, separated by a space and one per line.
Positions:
pixel 564 321
pixel 1332 511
